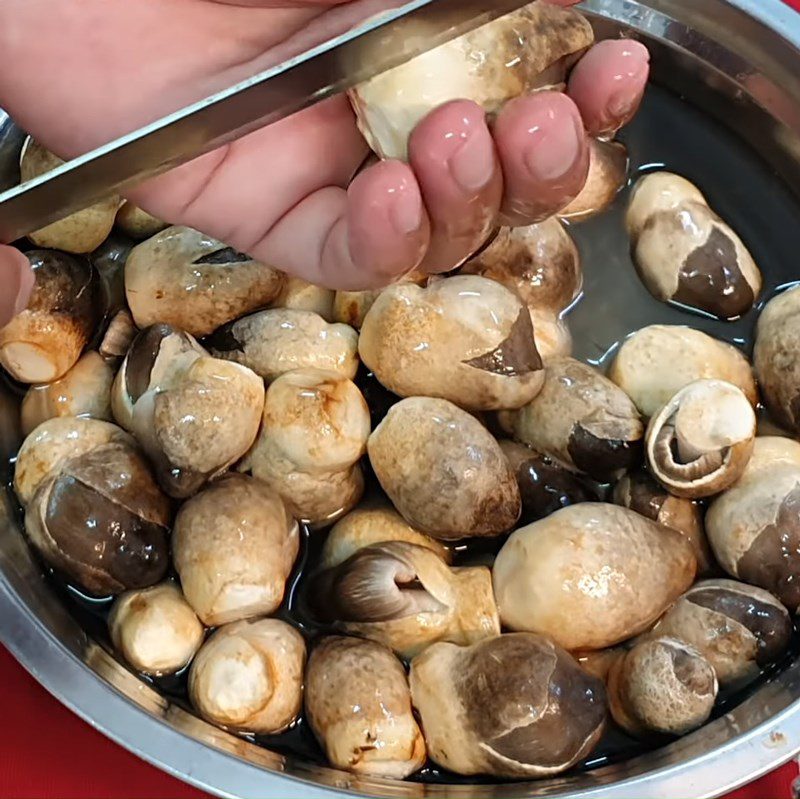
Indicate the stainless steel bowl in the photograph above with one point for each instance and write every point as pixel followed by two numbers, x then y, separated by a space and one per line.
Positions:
pixel 738 60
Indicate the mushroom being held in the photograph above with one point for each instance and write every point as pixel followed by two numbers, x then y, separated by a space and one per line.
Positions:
pixel 155 629
pixel 248 677
pixel 359 707
pixel 608 174
pixel 511 706
pixel 701 440
pixel 234 546
pixel 685 253
pixel 591 575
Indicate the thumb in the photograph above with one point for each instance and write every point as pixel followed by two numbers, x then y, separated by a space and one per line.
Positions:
pixel 16 283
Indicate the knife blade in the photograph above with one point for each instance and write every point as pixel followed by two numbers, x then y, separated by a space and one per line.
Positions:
pixel 376 45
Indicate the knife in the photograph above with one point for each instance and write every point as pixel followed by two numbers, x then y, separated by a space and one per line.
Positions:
pixel 376 45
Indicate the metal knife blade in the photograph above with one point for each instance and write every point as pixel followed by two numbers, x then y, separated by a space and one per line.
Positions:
pixel 380 43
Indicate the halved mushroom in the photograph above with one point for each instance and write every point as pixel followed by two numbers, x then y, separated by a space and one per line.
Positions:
pixel 777 358
pixel 300 295
pixel 372 523
pixel 234 547
pixel 277 341
pixel 443 471
pixel 314 431
pixel 640 492
pixel 85 390
pixel 183 278
pixel 511 706
pixel 738 628
pixel 541 263
pixel 656 362
pixel 552 335
pixel 591 575
pixel 359 707
pixel 155 629
pixel 466 339
pixel 406 597
pixel 45 341
pixel 248 677
pixel 661 686
pixel 701 440
pixel 80 232
pixel 530 49
pixel 685 253
pixel 608 174
pixel 194 415
pixel 582 420
pixel 138 224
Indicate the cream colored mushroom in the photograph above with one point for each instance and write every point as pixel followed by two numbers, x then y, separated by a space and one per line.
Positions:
pixel 608 174
pixel 300 295
pixel 138 224
pixel 552 335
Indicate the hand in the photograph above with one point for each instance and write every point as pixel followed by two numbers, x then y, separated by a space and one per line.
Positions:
pixel 286 194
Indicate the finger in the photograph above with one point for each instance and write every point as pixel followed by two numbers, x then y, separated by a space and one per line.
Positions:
pixel 563 2
pixel 454 159
pixel 608 84
pixel 544 152
pixel 16 279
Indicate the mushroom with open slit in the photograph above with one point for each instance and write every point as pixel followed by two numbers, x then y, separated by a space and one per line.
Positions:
pixel 359 707
pixel 608 174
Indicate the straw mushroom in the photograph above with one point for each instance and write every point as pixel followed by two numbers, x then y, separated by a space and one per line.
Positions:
pixel 185 279
pixel 608 174
pixel 138 224
pixel 155 629
pixel 443 471
pixel 350 307
pixel 300 295
pixel 656 362
pixel 118 337
pixel 248 677
pixel 685 253
pixel 590 575
pixel 234 547
pixel 551 334
pixel 701 440
pixel 44 342
pixel 109 262
pixel 512 706
pixel 359 707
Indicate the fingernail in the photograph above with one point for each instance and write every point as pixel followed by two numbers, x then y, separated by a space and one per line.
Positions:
pixel 554 154
pixel 26 281
pixel 473 164
pixel 406 212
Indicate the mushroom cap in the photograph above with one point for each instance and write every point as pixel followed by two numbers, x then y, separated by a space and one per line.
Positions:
pixel 443 471
pixel 608 174
pixel 582 420
pixel 281 339
pixel 300 295
pixel 248 677
pixel 44 342
pixel 701 440
pixel 639 368
pixel 518 53
pixel 183 278
pixel 769 451
pixel 138 224
pixel 551 334
pixel 511 706
pixel 591 575
pixel 372 524
pixel 234 547
pixel 658 192
pixel 359 707
pixel 663 686
pixel 155 629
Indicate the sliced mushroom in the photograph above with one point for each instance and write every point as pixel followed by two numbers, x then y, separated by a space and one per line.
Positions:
pixel 541 263
pixel 300 295
pixel 608 174
pixel 640 492
pixel 701 440
pixel 248 677
pixel 45 341
pixel 591 575
pixel 274 342
pixel 80 232
pixel 511 706
pixel 138 224
pixel 314 431
pixel 738 628
pixel 552 335
pixel 234 547
pixel 183 278
pixel 685 253
pixel 582 420
pixel 155 629
pixel 85 390
pixel 656 362
pixel 370 524
pixel 359 707
pixel 530 49
pixel 406 597
pixel 661 686
pixel 466 339
pixel 443 471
